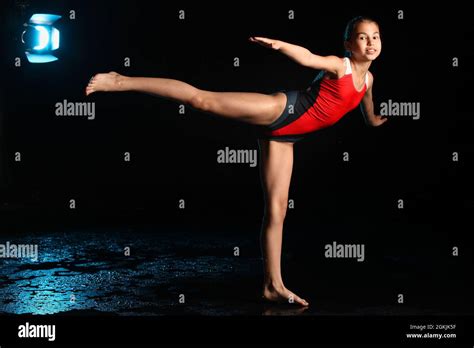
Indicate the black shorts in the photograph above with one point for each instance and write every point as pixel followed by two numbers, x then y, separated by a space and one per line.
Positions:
pixel 285 118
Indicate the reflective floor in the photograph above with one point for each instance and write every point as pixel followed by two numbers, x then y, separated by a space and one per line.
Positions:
pixel 182 273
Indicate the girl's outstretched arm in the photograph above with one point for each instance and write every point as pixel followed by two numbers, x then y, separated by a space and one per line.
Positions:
pixel 302 55
pixel 367 107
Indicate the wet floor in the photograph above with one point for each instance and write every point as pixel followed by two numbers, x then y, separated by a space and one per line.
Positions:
pixel 162 273
pixel 125 272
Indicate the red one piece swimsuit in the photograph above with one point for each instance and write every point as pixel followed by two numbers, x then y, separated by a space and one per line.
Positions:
pixel 324 103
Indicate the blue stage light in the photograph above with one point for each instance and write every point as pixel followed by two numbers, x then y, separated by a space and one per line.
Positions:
pixel 41 38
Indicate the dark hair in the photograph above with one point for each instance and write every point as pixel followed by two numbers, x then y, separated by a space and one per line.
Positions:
pixel 352 24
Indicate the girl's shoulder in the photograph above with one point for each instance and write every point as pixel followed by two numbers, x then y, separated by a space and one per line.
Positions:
pixel 370 79
pixel 341 69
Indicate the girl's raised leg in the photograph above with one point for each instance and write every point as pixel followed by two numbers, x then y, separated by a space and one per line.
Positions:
pixel 253 108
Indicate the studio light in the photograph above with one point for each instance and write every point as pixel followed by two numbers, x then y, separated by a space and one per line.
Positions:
pixel 41 38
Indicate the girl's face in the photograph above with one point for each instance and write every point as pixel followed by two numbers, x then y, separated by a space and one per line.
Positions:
pixel 365 43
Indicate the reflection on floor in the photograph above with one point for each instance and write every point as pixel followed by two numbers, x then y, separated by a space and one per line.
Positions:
pixel 179 273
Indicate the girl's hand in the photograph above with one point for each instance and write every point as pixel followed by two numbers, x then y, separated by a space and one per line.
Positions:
pixel 268 43
pixel 378 121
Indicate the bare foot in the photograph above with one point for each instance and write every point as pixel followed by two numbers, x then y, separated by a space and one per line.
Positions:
pixel 111 82
pixel 281 294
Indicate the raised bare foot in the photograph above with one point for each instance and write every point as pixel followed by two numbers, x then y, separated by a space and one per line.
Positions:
pixel 281 294
pixel 111 82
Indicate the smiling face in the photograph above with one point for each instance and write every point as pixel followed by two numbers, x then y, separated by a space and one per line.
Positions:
pixel 365 43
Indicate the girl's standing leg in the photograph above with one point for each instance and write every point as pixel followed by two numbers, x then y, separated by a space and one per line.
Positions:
pixel 254 108
pixel 276 168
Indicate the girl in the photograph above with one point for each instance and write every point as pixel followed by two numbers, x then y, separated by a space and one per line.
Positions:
pixel 285 118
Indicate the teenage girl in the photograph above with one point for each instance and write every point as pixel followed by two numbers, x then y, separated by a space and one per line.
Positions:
pixel 285 118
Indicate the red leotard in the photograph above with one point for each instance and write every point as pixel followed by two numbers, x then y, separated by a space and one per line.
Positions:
pixel 321 105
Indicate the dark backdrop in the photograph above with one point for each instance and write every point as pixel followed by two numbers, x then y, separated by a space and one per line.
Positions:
pixel 174 156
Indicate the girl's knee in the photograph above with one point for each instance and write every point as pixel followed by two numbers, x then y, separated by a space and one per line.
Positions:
pixel 201 101
pixel 276 210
